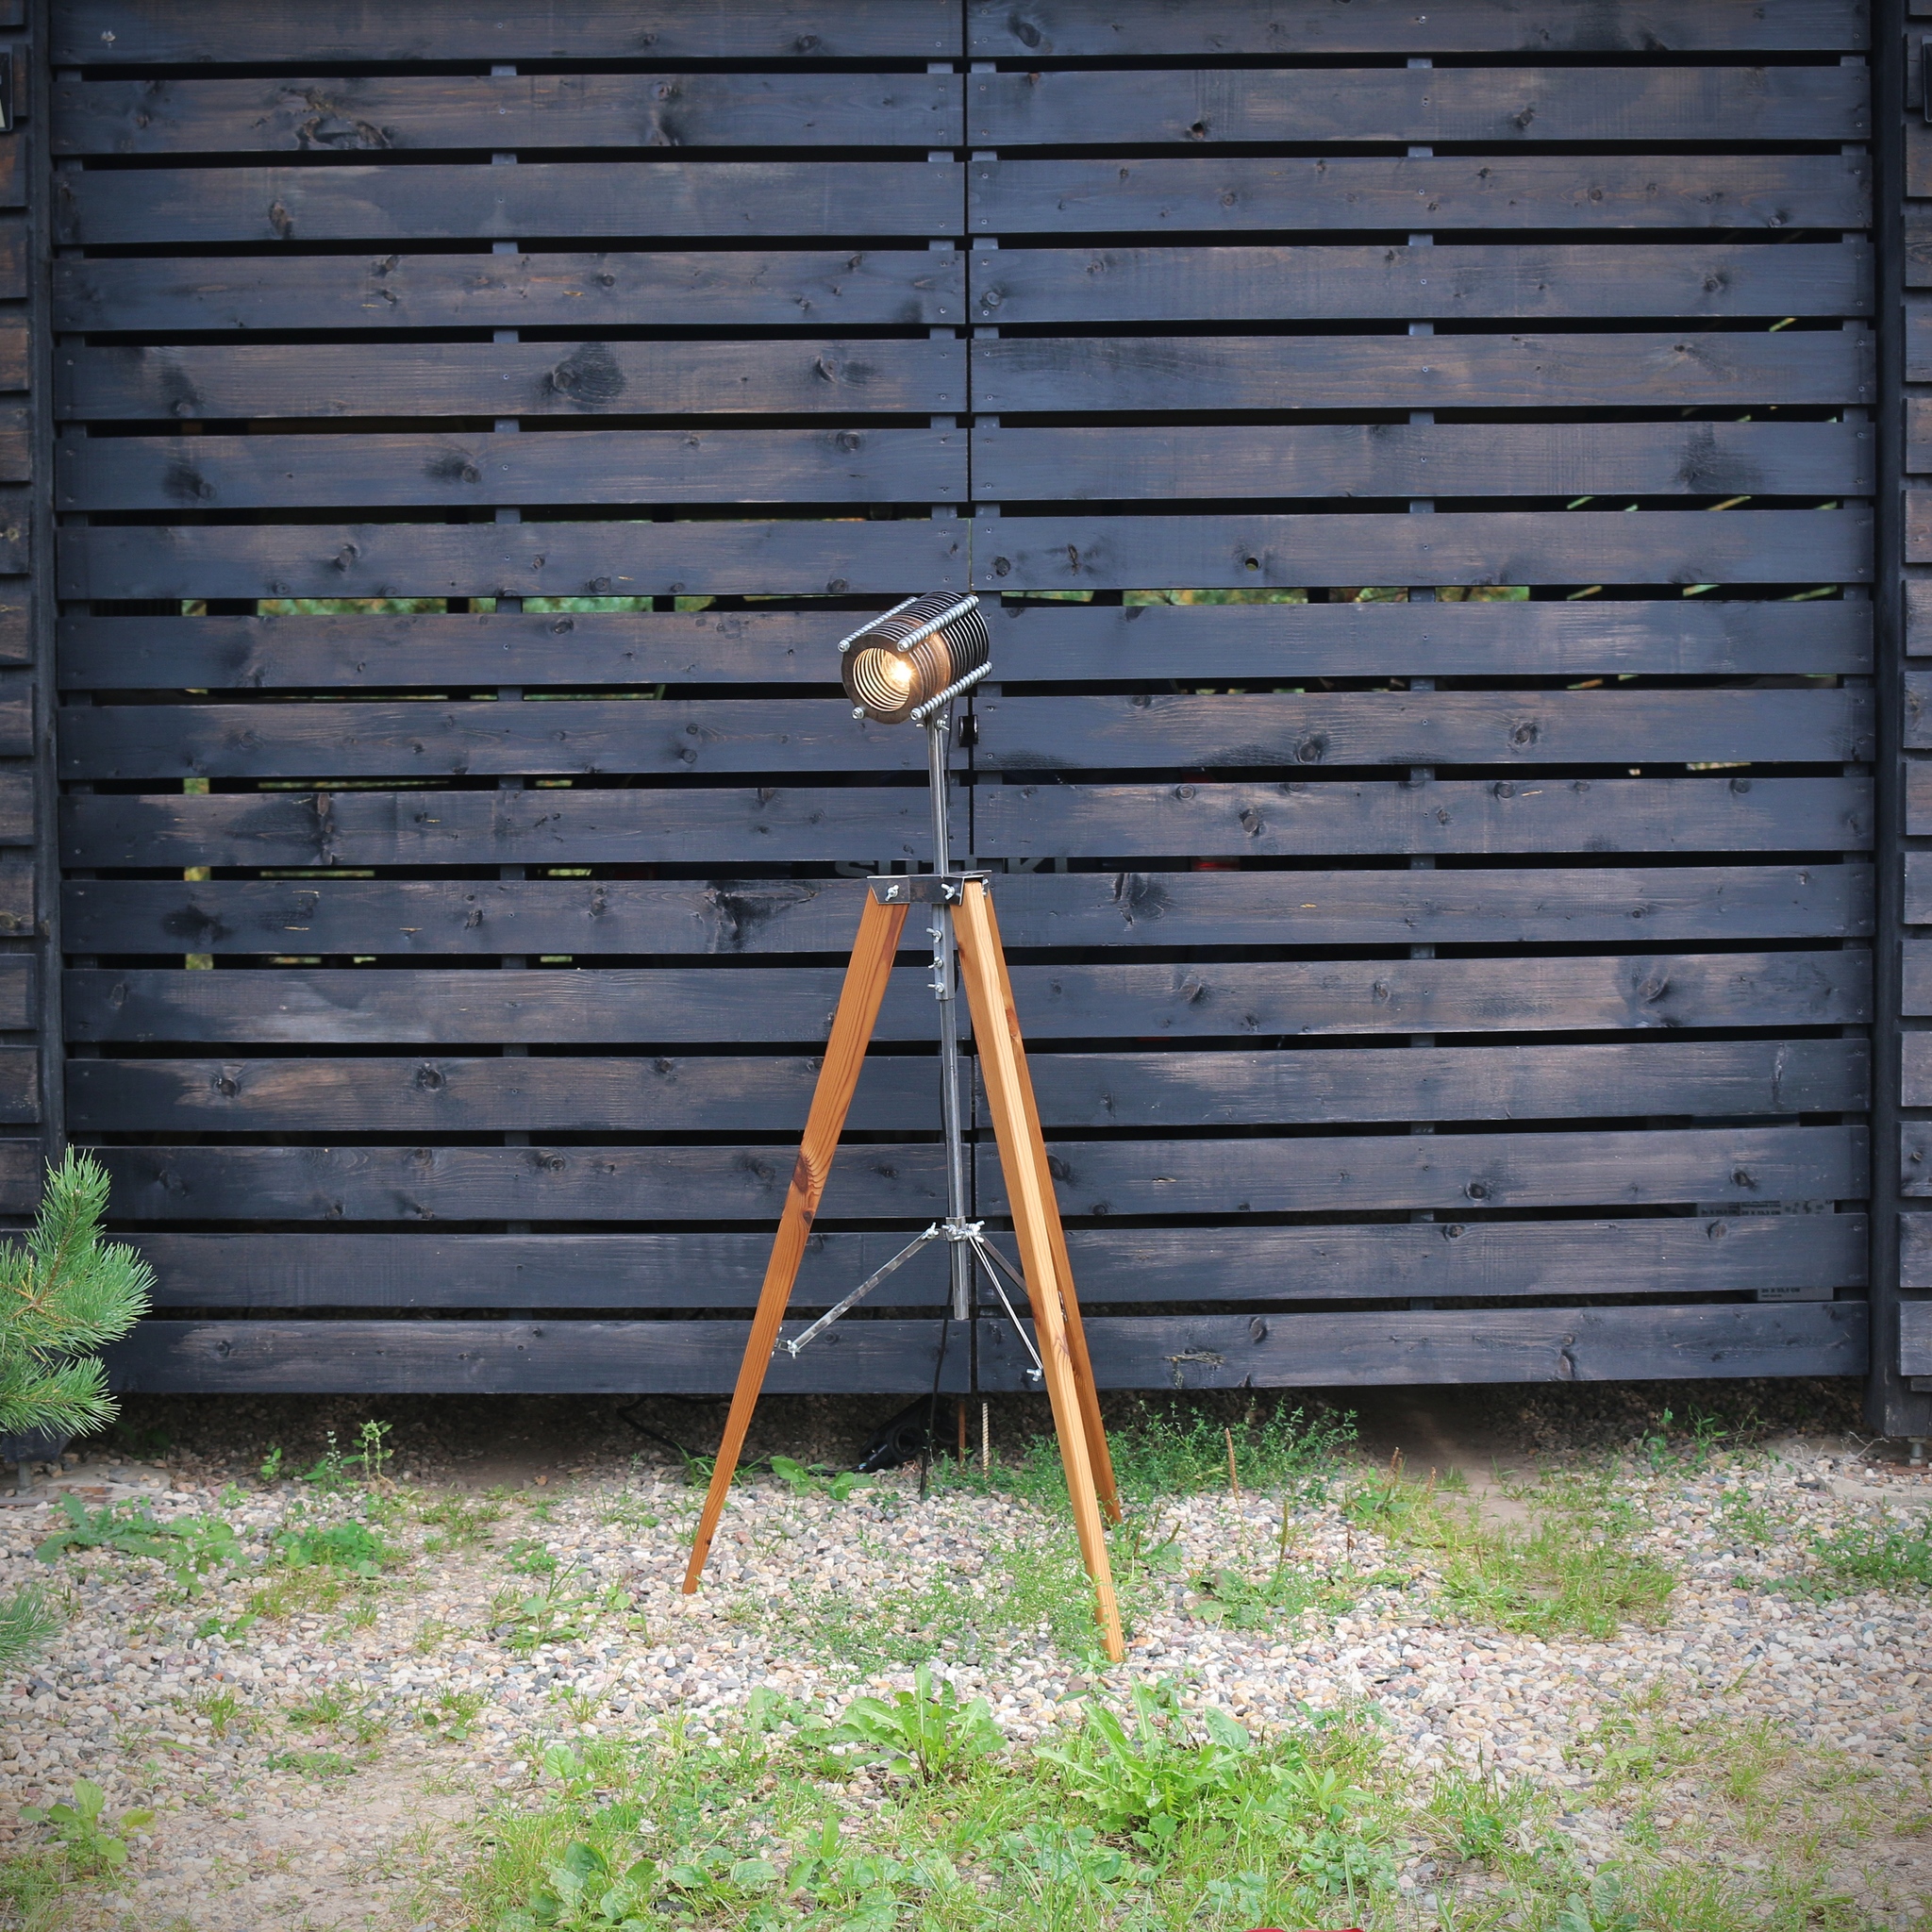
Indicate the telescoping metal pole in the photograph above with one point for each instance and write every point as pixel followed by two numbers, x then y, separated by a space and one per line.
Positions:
pixel 945 988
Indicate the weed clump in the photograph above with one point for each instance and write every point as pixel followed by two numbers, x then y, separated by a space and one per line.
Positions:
pixel 1866 1557
pixel 1163 1449
pixel 1576 1571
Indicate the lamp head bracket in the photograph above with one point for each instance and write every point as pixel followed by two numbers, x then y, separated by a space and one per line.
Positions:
pixel 926 888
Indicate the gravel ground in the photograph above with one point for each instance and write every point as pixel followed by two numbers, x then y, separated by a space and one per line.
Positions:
pixel 250 1833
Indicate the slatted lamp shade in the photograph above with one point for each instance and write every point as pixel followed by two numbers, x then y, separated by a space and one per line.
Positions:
pixel 916 657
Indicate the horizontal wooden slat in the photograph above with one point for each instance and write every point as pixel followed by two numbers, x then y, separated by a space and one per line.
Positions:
pixel 770 824
pixel 1249 999
pixel 385 739
pixel 1340 1174
pixel 1915 989
pixel 1510 106
pixel 1916 909
pixel 1533 282
pixel 18 980
pixel 1217 29
pixel 16 716
pixel 719 1093
pixel 1918 626
pixel 16 539
pixel 848 465
pixel 743 1185
pixel 622 827
pixel 1914 1317
pixel 630 559
pixel 238 32
pixel 856 464
pixel 1918 799
pixel 1046 641
pixel 17 639
pixel 425 1269
pixel 1330 459
pixel 14 250
pixel 1687 1080
pixel 1263 729
pixel 1918 340
pixel 1193 373
pixel 710 289
pixel 572 200
pixel 20 1085
pixel 1918 531
pixel 587 737
pixel 1915 1168
pixel 1595 815
pixel 563 1358
pixel 578 1358
pixel 1255 551
pixel 21 1167
pixel 349 115
pixel 1918 435
pixel 500 379
pixel 18 913
pixel 14 355
pixel 1915 1271
pixel 1229 195
pixel 399 918
pixel 16 435
pixel 1448 1172
pixel 1918 704
pixel 18 820
pixel 1654 1343
pixel 1541 282
pixel 635 1093
pixel 801 557
pixel 1918 168
pixel 1915 1062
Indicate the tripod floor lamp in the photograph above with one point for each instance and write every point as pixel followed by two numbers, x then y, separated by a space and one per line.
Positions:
pixel 909 665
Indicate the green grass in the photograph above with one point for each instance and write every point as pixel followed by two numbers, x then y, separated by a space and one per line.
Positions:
pixel 1278 1595
pixel 1872 1556
pixel 458 1523
pixel 1148 1818
pixel 323 1766
pixel 1573 1571
pixel 1030 1583
pixel 1142 1822
pixel 1169 1449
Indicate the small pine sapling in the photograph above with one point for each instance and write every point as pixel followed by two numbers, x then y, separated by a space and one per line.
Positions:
pixel 65 1292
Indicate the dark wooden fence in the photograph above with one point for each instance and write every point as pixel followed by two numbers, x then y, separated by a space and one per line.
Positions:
pixel 478 425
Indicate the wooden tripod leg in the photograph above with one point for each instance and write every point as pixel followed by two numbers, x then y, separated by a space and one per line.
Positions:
pixel 1097 1451
pixel 866 976
pixel 1001 1062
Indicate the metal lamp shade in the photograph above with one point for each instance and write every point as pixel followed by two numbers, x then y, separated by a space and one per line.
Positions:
pixel 924 649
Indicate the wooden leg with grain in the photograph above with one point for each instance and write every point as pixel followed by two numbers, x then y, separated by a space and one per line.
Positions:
pixel 1002 1067
pixel 1097 1451
pixel 866 976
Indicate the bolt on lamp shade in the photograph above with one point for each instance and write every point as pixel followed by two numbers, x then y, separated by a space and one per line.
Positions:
pixel 904 663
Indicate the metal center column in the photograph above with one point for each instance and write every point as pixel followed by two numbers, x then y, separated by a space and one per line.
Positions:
pixel 945 990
